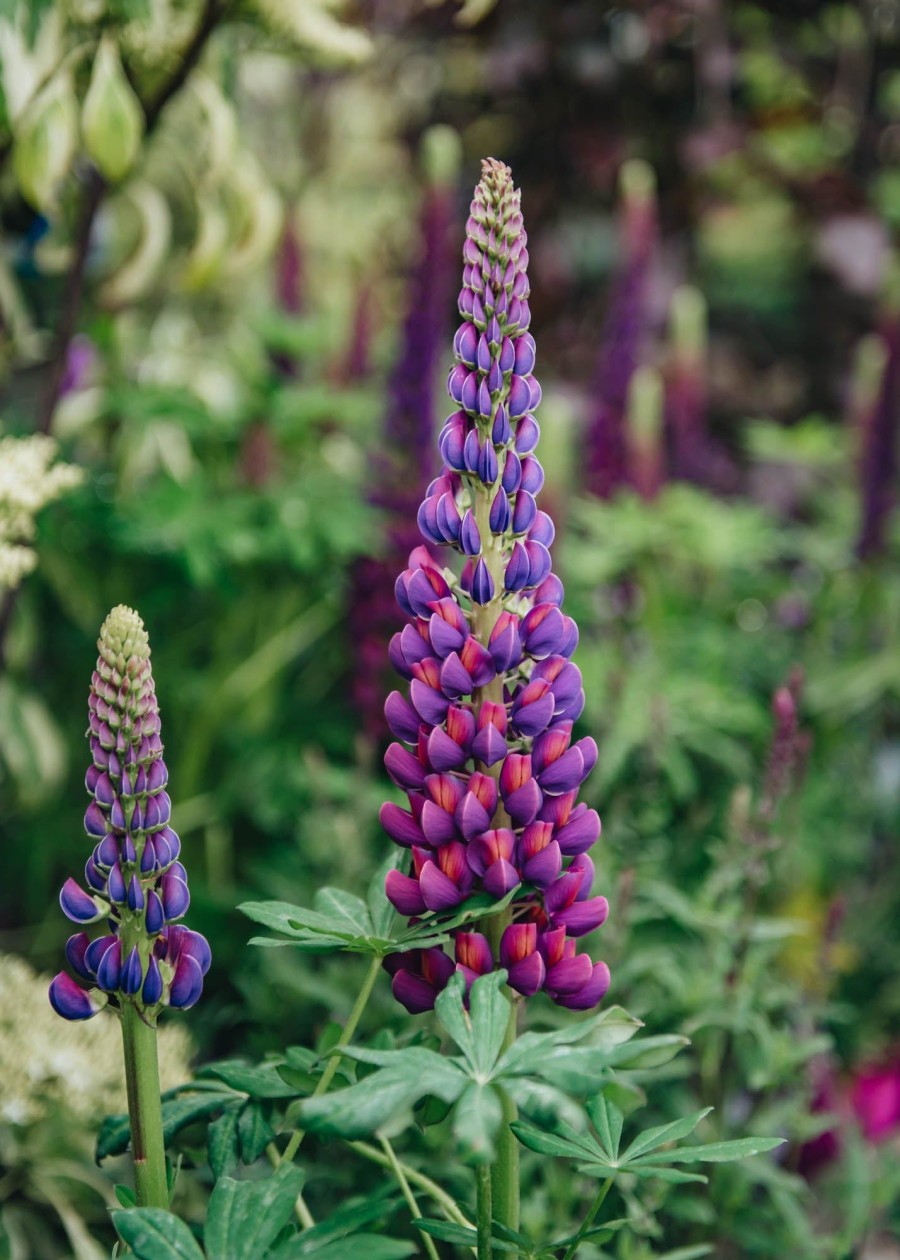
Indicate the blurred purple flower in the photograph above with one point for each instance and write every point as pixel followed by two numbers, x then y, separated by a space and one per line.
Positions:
pixel 623 333
pixel 135 883
pixel 484 745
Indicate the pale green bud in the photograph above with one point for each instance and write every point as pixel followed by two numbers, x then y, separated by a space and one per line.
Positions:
pixel 112 121
pixel 688 321
pixel 645 406
pixel 45 142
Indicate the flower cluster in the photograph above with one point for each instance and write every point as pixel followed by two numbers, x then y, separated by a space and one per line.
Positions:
pixel 134 878
pixel 485 750
pixel 29 480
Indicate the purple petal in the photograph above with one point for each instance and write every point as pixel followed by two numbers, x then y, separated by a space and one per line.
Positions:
pixel 563 774
pixel 583 916
pixel 438 827
pixel 401 717
pixel 500 877
pixel 76 947
pixel 413 992
pixel 153 985
pixel 405 769
pixel 77 905
pixel 155 916
pixel 592 992
pixel 132 972
pixel 95 823
pixel 110 967
pixel 527 976
pixel 438 891
pixel 187 983
pixel 404 894
pixel 580 832
pixel 400 826
pixel 543 868
pixel 175 896
pixel 70 1001
pixel 570 975
pixel 523 804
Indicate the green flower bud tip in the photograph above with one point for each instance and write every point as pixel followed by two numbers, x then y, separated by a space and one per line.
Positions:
pixel 123 637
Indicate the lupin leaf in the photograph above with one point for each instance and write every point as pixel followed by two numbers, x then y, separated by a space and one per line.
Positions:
pixel 154 1234
pixel 245 1217
pixel 222 1143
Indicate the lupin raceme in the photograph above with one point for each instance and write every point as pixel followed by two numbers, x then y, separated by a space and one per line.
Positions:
pixel 484 745
pixel 136 886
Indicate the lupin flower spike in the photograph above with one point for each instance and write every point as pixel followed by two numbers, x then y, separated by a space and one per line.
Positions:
pixel 135 884
pixel 484 744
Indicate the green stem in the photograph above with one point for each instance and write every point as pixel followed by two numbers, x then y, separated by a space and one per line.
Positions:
pixel 505 1169
pixel 483 1211
pixel 589 1219
pixel 444 1201
pixel 144 1109
pixel 427 1240
pixel 331 1066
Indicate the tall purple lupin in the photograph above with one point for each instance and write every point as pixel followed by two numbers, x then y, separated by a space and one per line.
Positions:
pixel 134 880
pixel 485 751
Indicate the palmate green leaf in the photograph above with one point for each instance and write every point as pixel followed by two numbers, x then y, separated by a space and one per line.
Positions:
pixel 222 1142
pixel 372 1246
pixel 658 1136
pixel 259 1080
pixel 179 1111
pixel 660 1171
pixel 480 1030
pixel 446 1231
pixel 714 1152
pixel 607 1119
pixel 476 1122
pixel 349 1217
pixel 567 1143
pixel 533 1052
pixel 245 1217
pixel 361 1109
pixel 154 1234
pixel 254 1132
pixel 598 1234
pixel 341 921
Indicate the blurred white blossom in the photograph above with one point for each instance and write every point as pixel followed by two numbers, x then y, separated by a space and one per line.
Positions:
pixel 29 480
pixel 48 1062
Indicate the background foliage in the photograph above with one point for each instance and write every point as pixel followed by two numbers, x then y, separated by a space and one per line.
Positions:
pixel 210 213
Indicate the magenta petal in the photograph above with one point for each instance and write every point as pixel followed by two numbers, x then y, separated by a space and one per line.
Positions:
pixel 471 816
pixel 523 804
pixel 70 1001
pixel 580 832
pixel 443 752
pixel 533 718
pixel 404 894
pixel 527 976
pixel 402 718
pixel 416 994
pixel 455 678
pixel 583 916
pixel 400 826
pixel 590 995
pixel 585 867
pixel 438 827
pixel 569 975
pixel 444 637
pixel 588 749
pixel 489 746
pixel 563 774
pixel 430 705
pixel 500 877
pixel 438 891
pixel 543 868
pixel 405 769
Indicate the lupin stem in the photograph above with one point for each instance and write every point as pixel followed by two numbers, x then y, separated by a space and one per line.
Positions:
pixel 505 1170
pixel 484 1211
pixel 144 1109
pixel 331 1066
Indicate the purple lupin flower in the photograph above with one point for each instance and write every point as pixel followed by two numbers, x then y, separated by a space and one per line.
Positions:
pixel 623 332
pixel 407 461
pixel 135 885
pixel 484 745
